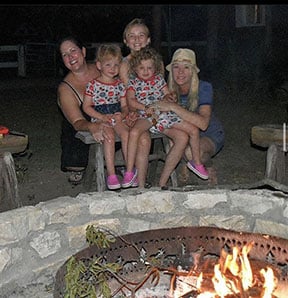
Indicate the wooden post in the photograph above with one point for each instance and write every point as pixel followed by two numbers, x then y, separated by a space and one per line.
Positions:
pixel 21 61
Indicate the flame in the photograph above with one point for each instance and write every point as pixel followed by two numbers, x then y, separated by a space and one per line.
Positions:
pixel 270 283
pixel 232 275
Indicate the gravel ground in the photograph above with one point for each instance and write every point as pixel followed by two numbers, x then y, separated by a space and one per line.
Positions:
pixel 29 106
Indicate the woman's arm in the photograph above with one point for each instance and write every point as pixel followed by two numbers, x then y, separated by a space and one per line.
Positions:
pixel 124 72
pixel 88 108
pixel 124 107
pixel 69 105
pixel 200 119
pixel 133 103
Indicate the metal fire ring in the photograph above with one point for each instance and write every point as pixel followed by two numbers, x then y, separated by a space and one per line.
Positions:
pixel 178 244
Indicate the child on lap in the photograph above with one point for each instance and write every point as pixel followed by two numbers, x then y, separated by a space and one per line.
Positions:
pixel 105 100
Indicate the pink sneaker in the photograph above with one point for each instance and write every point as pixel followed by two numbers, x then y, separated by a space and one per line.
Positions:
pixel 129 178
pixel 135 183
pixel 113 182
pixel 199 170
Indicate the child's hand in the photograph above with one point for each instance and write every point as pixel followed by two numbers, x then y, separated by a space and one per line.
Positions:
pixel 109 118
pixel 172 97
pixel 117 117
pixel 131 118
pixel 149 110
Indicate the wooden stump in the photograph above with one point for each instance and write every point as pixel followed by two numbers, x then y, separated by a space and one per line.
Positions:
pixel 275 164
pixel 271 135
pixel 266 134
pixel 13 143
pixel 9 197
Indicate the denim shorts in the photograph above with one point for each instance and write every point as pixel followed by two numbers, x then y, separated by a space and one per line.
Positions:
pixel 108 108
pixel 217 138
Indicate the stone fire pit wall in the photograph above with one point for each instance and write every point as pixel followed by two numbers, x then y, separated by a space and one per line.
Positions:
pixel 36 240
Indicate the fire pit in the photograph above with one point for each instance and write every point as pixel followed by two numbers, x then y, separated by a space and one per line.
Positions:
pixel 178 248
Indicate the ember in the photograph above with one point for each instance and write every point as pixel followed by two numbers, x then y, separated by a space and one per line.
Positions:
pixel 193 262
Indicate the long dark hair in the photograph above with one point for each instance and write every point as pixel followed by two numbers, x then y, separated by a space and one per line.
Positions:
pixel 71 38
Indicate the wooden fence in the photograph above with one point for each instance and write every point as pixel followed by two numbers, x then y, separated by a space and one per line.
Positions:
pixel 13 57
pixel 40 59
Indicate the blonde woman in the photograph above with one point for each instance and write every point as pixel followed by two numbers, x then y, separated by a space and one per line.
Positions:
pixel 192 100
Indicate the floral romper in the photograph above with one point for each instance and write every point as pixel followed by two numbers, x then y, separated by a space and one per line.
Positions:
pixel 106 97
pixel 149 92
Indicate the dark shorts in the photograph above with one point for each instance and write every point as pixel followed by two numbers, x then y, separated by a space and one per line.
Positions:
pixel 108 108
pixel 217 138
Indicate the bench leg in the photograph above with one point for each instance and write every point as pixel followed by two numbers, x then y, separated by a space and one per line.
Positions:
pixel 99 168
pixel 90 170
pixel 152 168
pixel 95 169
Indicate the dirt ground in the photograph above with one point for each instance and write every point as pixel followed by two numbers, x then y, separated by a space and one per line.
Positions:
pixel 29 106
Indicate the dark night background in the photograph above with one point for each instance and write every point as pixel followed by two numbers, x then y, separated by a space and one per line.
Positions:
pixel 239 50
pixel 95 23
pixel 247 66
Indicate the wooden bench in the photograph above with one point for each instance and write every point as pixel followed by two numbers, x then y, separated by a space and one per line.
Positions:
pixel 271 136
pixel 96 162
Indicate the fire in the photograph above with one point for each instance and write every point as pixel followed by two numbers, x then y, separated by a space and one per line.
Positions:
pixel 233 277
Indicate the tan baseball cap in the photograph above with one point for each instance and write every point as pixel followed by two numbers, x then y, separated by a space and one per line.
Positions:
pixel 184 55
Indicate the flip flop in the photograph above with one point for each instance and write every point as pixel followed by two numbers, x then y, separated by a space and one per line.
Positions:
pixel 76 177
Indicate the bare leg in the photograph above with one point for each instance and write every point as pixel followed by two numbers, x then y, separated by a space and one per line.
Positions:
pixel 142 157
pixel 123 133
pixel 137 130
pixel 194 139
pixel 109 152
pixel 180 141
pixel 207 149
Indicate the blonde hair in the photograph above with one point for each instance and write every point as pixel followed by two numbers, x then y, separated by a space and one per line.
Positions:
pixel 146 54
pixel 106 50
pixel 193 91
pixel 136 22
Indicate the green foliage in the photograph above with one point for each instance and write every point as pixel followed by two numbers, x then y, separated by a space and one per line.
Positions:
pixel 90 280
pixel 98 237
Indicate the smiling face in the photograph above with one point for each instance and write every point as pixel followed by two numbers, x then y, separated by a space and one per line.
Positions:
pixel 73 57
pixel 137 37
pixel 182 73
pixel 146 69
pixel 109 67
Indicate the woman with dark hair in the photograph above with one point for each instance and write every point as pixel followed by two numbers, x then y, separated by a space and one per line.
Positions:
pixel 70 93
